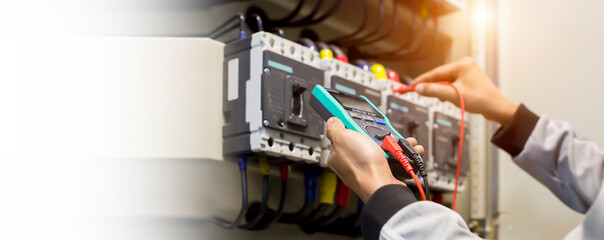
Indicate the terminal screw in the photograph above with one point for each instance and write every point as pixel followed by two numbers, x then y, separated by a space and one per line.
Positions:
pixel 281 123
pixel 265 122
pixel 266 70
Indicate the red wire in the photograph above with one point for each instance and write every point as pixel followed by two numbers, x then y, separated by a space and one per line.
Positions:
pixel 463 110
pixel 419 186
pixel 404 89
pixel 389 144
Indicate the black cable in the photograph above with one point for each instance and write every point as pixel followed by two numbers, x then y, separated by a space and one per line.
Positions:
pixel 391 30
pixel 292 15
pixel 412 154
pixel 308 19
pixel 427 187
pixel 332 217
pixel 215 32
pixel 294 217
pixel 329 13
pixel 253 220
pixel 226 30
pixel 415 56
pixel 259 24
pixel 311 179
pixel 373 32
pixel 360 29
pixel 271 216
pixel 229 225
pixel 317 213
pixel 278 31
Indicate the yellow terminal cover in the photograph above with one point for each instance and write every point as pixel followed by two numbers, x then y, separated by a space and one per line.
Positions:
pixel 265 168
pixel 326 53
pixel 380 71
pixel 327 187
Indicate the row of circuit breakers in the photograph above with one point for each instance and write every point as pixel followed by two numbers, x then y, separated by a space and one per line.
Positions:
pixel 267 88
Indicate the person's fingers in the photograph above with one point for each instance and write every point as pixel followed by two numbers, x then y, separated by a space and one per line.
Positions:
pixel 412 141
pixel 420 150
pixel 442 92
pixel 334 128
pixel 330 159
pixel 444 73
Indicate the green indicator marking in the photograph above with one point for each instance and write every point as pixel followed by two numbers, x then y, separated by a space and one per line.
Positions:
pixel 444 122
pixel 281 66
pixel 346 89
pixel 399 107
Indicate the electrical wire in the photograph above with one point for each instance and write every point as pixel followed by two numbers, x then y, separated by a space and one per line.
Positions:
pixel 389 144
pixel 411 153
pixel 284 170
pixel 360 28
pixel 342 200
pixel 259 24
pixel 311 179
pixel 241 24
pixel 414 55
pixel 427 187
pixel 271 216
pixel 372 33
pixel 229 225
pixel 461 137
pixel 265 169
pixel 399 51
pixel 308 19
pixel 390 32
pixel 290 16
pixel 278 31
pixel 327 14
pixel 327 190
pixel 462 106
pixel 374 36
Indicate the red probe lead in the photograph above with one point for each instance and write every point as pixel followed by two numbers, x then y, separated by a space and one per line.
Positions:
pixel 405 89
pixel 390 145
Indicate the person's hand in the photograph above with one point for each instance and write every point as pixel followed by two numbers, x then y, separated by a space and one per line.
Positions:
pixel 358 161
pixel 480 94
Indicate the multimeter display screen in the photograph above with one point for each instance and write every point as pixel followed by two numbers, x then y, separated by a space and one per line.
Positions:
pixel 355 103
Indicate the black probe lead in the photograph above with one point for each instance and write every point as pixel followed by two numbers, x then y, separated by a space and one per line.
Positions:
pixel 412 154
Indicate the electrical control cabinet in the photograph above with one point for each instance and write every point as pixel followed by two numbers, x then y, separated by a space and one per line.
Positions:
pixel 267 85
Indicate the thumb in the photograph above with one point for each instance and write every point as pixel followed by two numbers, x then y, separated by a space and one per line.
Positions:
pixel 442 92
pixel 334 127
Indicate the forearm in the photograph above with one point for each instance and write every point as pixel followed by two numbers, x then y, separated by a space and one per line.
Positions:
pixel 393 212
pixel 548 151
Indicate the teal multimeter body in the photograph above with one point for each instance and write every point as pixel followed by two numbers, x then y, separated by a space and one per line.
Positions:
pixel 361 115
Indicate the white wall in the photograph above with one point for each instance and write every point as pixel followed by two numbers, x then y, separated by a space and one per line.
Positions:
pixel 550 58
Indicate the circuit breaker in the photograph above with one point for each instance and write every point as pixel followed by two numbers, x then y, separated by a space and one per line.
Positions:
pixel 445 122
pixel 267 86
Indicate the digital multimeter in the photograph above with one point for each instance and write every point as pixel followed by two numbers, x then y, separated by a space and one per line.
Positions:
pixel 358 114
